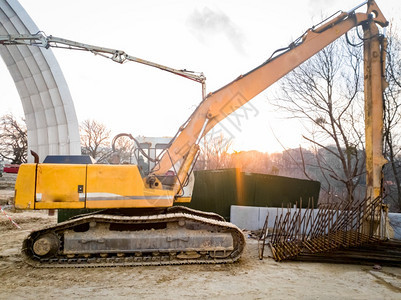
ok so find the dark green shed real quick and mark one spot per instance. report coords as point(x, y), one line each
point(217, 190)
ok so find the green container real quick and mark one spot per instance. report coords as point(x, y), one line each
point(275, 191)
point(216, 190)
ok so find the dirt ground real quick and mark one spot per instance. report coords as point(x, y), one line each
point(251, 278)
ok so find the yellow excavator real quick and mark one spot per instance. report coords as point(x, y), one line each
point(137, 223)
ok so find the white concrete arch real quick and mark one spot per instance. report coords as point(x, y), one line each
point(46, 100)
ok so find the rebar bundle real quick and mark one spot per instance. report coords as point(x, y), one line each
point(329, 227)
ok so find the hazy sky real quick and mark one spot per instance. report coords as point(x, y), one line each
point(222, 39)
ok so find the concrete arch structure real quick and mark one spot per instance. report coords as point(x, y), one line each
point(46, 100)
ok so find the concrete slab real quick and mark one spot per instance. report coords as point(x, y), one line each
point(395, 222)
point(245, 217)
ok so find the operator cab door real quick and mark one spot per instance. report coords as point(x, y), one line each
point(60, 186)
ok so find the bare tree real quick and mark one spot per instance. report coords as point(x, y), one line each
point(214, 153)
point(95, 140)
point(325, 93)
point(14, 141)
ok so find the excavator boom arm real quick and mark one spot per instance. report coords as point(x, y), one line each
point(219, 104)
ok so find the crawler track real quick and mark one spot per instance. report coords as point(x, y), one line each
point(178, 229)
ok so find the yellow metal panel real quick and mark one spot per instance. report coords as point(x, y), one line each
point(59, 205)
point(111, 186)
point(118, 179)
point(58, 183)
point(25, 187)
point(133, 203)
